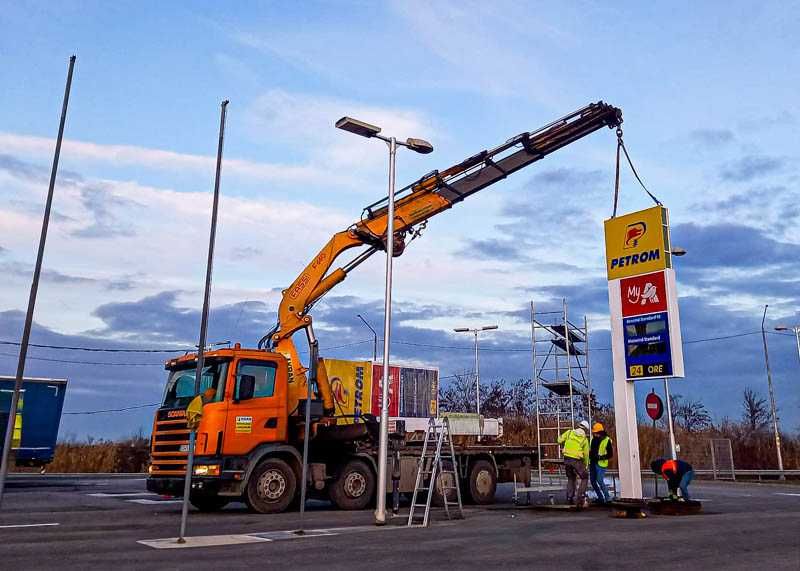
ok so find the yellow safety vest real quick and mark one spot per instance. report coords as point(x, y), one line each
point(575, 446)
point(602, 450)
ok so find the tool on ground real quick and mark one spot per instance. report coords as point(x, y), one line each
point(438, 459)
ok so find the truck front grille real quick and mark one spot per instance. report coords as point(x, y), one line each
point(170, 444)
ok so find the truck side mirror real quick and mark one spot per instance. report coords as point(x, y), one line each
point(245, 387)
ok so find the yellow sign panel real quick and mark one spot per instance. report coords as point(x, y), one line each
point(637, 243)
point(244, 424)
point(351, 384)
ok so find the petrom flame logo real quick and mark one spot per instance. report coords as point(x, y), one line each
point(633, 233)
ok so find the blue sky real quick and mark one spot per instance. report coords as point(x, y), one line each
point(709, 98)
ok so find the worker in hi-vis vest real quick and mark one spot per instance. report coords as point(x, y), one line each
point(601, 449)
point(575, 450)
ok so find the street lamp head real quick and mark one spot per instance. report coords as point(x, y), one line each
point(781, 328)
point(421, 146)
point(488, 327)
point(461, 329)
point(357, 127)
point(677, 251)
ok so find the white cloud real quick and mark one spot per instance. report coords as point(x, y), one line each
point(128, 155)
point(306, 122)
point(162, 248)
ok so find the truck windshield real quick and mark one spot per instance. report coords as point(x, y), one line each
point(180, 385)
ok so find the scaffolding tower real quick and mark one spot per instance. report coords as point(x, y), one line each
point(562, 386)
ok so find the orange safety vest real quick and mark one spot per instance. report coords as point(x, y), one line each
point(669, 465)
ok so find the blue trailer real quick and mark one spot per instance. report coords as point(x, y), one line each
point(38, 417)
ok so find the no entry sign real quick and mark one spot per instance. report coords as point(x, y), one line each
point(654, 406)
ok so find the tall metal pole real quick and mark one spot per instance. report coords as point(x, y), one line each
point(478, 387)
point(311, 380)
point(26, 331)
point(797, 338)
point(383, 445)
point(772, 398)
point(187, 482)
point(672, 448)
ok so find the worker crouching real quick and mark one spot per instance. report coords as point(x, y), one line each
point(601, 450)
point(678, 475)
point(575, 451)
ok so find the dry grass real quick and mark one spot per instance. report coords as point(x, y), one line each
point(127, 456)
point(751, 450)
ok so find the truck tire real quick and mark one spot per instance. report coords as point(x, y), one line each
point(208, 503)
point(482, 482)
point(271, 487)
point(354, 487)
point(444, 480)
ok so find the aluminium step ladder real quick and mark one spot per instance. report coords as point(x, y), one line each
point(438, 459)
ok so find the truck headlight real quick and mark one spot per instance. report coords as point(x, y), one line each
point(207, 470)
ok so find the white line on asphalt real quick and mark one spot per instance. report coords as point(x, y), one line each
point(151, 502)
point(786, 494)
point(267, 536)
point(202, 541)
point(121, 495)
point(29, 525)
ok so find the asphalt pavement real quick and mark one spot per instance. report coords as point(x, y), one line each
point(98, 522)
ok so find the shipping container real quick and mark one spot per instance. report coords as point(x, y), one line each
point(38, 417)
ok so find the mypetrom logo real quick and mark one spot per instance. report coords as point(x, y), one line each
point(633, 259)
point(633, 233)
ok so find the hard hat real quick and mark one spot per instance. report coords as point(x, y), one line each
point(585, 425)
point(598, 427)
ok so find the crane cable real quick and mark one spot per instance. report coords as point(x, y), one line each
point(621, 145)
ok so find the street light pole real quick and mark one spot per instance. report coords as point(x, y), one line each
point(796, 330)
point(477, 370)
point(374, 338)
point(26, 331)
point(478, 387)
point(383, 442)
point(423, 147)
point(772, 398)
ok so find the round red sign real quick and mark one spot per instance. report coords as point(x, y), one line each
point(654, 406)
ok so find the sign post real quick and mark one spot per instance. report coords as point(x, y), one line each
point(645, 324)
point(655, 410)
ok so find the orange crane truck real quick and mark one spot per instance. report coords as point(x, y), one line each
point(250, 437)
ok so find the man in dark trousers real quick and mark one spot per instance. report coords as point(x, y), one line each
point(601, 449)
point(677, 473)
point(575, 450)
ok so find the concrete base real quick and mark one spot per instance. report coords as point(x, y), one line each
point(673, 507)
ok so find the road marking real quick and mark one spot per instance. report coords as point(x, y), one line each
point(151, 502)
point(124, 495)
point(280, 535)
point(786, 494)
point(264, 537)
point(29, 525)
point(202, 541)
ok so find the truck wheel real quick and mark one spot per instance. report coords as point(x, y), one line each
point(482, 482)
point(208, 503)
point(354, 487)
point(441, 481)
point(271, 487)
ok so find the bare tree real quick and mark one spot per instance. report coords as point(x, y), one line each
point(459, 396)
point(523, 401)
point(691, 415)
point(755, 413)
